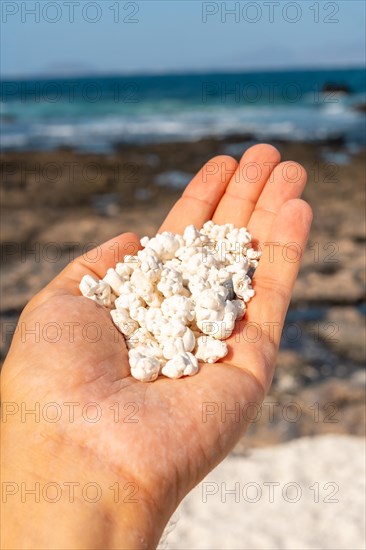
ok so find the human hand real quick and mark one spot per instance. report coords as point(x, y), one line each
point(154, 440)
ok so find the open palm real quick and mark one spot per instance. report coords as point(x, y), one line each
point(164, 436)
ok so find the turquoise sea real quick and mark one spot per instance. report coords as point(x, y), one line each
point(96, 113)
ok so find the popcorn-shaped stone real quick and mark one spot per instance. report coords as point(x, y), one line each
point(194, 238)
point(195, 262)
point(240, 236)
point(173, 346)
point(241, 266)
point(171, 282)
point(144, 368)
point(150, 264)
point(170, 328)
point(124, 322)
point(174, 262)
point(215, 315)
point(98, 291)
point(152, 348)
point(222, 275)
point(114, 280)
point(253, 254)
point(207, 227)
point(144, 241)
point(145, 288)
point(88, 286)
point(223, 251)
point(183, 364)
point(138, 314)
point(128, 298)
point(138, 337)
point(153, 319)
point(242, 287)
point(176, 300)
point(184, 253)
point(166, 244)
point(209, 300)
point(197, 285)
point(189, 339)
point(131, 260)
point(219, 329)
point(178, 307)
point(210, 350)
point(124, 270)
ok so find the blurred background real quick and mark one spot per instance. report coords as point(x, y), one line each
point(107, 110)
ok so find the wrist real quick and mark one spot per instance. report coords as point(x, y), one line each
point(63, 499)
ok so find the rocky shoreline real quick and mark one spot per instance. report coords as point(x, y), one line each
point(56, 204)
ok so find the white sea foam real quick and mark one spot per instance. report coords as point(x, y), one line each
point(262, 122)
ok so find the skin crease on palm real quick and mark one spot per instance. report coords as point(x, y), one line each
point(172, 445)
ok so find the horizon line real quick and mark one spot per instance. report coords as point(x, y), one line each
point(181, 72)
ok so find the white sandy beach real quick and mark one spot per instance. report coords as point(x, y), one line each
point(318, 501)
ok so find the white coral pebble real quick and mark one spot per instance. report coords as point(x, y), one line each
point(242, 286)
point(178, 307)
point(192, 237)
point(172, 345)
point(114, 280)
point(165, 245)
point(215, 315)
point(253, 254)
point(178, 298)
point(171, 282)
point(183, 364)
point(99, 291)
point(209, 349)
point(123, 321)
point(143, 367)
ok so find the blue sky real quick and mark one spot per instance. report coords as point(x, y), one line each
point(174, 35)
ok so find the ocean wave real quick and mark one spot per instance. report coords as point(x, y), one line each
point(95, 132)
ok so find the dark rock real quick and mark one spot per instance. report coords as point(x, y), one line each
point(334, 87)
point(361, 107)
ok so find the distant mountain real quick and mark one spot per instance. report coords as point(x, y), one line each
point(56, 70)
point(68, 69)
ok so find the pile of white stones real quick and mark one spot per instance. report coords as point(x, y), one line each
point(179, 297)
